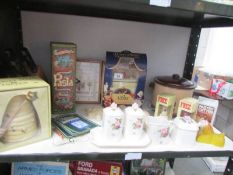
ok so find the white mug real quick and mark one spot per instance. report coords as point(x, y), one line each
point(159, 129)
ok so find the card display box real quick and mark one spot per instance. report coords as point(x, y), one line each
point(25, 113)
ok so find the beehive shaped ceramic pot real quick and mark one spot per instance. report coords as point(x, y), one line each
point(20, 121)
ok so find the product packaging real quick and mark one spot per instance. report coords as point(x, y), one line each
point(148, 167)
point(187, 107)
point(226, 91)
point(96, 168)
point(203, 78)
point(216, 85)
point(165, 105)
point(206, 109)
point(25, 114)
point(36, 168)
point(124, 78)
point(63, 77)
point(215, 164)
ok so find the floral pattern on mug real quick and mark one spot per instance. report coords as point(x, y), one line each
point(164, 132)
point(138, 123)
point(116, 124)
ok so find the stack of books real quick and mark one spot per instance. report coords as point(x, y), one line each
point(72, 125)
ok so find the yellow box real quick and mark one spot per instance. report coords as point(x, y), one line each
point(25, 113)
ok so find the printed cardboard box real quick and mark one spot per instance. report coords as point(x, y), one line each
point(187, 107)
point(148, 166)
point(124, 78)
point(165, 105)
point(203, 78)
point(25, 114)
point(36, 168)
point(96, 168)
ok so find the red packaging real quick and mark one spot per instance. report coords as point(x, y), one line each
point(96, 168)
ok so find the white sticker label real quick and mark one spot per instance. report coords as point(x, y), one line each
point(162, 3)
point(118, 76)
point(133, 156)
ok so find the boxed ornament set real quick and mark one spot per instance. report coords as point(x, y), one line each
point(25, 113)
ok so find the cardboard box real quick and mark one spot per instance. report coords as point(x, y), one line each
point(216, 165)
point(226, 91)
point(187, 107)
point(96, 168)
point(124, 78)
point(165, 105)
point(25, 114)
point(203, 78)
point(36, 168)
point(148, 166)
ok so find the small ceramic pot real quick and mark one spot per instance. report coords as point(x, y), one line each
point(113, 118)
point(134, 121)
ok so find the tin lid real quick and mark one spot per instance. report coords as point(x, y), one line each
point(186, 123)
point(134, 110)
point(175, 81)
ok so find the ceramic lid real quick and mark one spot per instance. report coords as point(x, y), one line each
point(134, 110)
point(175, 81)
point(113, 110)
point(186, 123)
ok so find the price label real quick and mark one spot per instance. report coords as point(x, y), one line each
point(133, 156)
point(118, 76)
point(162, 3)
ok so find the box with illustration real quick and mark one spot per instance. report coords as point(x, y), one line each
point(25, 114)
point(63, 57)
point(124, 78)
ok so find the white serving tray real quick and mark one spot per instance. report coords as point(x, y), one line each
point(99, 140)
